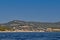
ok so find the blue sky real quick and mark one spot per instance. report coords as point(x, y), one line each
point(30, 10)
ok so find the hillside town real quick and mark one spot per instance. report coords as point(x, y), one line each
point(22, 26)
point(29, 29)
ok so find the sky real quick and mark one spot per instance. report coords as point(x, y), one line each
point(30, 10)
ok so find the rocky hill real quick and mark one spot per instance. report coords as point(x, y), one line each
point(18, 24)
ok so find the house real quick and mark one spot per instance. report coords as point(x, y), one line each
point(53, 29)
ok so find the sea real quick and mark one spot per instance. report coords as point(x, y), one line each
point(29, 35)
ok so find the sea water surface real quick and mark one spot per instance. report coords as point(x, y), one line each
point(30, 36)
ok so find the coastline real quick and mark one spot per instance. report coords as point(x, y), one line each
point(20, 31)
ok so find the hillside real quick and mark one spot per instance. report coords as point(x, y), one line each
point(18, 24)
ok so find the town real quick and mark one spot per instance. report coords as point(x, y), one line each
point(22, 26)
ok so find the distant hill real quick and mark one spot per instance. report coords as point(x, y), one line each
point(34, 25)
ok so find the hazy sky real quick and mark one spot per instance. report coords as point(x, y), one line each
point(31, 10)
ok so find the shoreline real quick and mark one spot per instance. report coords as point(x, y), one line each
point(18, 31)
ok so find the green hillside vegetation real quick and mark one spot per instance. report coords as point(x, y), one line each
point(4, 28)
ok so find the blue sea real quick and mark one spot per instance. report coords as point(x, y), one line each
point(30, 36)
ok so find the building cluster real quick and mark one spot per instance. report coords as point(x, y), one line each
point(33, 29)
point(29, 28)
